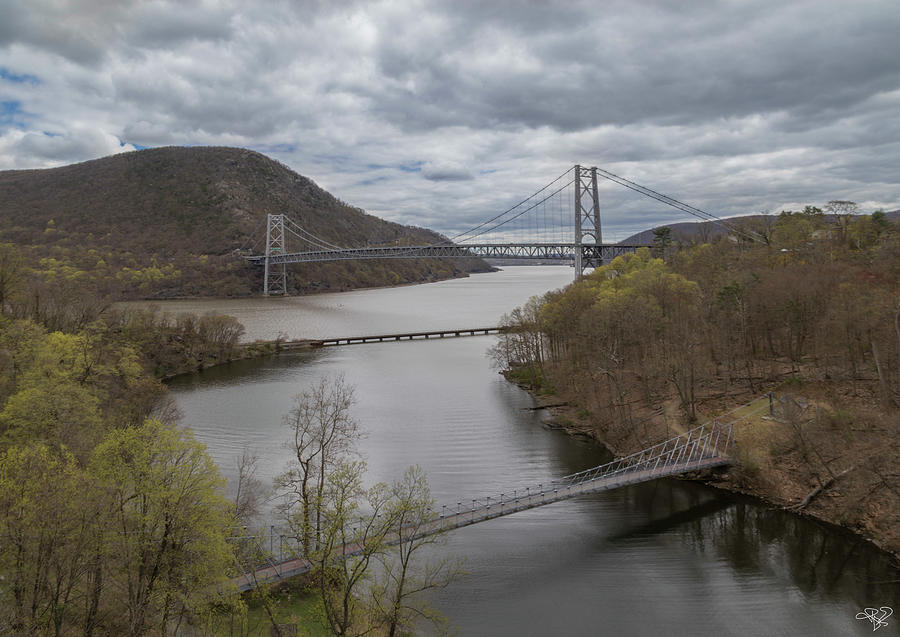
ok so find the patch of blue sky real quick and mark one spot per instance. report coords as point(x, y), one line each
point(11, 113)
point(373, 180)
point(275, 148)
point(18, 78)
point(338, 161)
point(413, 167)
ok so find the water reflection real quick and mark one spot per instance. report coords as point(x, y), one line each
point(664, 558)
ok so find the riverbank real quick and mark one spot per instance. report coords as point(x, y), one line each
point(242, 352)
point(777, 456)
point(157, 298)
point(260, 349)
point(706, 559)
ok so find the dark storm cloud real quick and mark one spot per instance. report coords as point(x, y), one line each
point(446, 172)
point(670, 68)
point(80, 32)
point(161, 24)
point(733, 106)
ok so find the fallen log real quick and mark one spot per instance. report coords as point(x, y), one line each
point(539, 407)
point(815, 492)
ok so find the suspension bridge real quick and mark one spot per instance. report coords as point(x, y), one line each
point(703, 447)
point(561, 221)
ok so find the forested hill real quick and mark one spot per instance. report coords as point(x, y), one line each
point(167, 222)
point(705, 231)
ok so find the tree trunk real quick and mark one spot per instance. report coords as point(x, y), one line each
point(90, 620)
point(885, 390)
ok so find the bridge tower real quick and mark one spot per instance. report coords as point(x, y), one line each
point(275, 277)
point(587, 220)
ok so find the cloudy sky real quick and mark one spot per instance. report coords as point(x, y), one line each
point(444, 113)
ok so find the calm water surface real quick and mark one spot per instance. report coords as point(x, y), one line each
point(665, 558)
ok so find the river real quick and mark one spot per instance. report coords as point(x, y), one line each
point(664, 558)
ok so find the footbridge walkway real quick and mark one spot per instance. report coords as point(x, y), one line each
point(703, 447)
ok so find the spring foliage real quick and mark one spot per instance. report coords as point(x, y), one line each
point(111, 521)
point(818, 300)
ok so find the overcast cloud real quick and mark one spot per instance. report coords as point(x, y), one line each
point(442, 114)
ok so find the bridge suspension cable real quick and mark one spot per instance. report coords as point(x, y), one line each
point(508, 210)
point(313, 239)
point(537, 227)
point(675, 203)
point(704, 447)
point(533, 227)
point(519, 214)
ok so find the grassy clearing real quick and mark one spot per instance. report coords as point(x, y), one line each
point(290, 607)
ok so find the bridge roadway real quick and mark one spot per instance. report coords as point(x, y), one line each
point(591, 254)
point(701, 448)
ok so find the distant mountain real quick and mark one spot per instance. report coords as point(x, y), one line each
point(169, 222)
point(705, 230)
point(683, 231)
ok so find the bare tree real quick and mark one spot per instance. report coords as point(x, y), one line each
point(397, 598)
point(843, 211)
point(248, 491)
point(323, 434)
point(10, 273)
point(764, 226)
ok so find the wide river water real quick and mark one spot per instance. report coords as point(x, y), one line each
point(664, 558)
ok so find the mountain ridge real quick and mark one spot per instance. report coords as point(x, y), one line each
point(704, 230)
point(191, 210)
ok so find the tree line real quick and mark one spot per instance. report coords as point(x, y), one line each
point(115, 521)
point(814, 299)
point(645, 345)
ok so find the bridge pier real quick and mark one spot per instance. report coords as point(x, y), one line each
point(587, 221)
point(275, 275)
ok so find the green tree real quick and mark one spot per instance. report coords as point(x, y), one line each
point(48, 522)
point(167, 521)
point(52, 399)
point(11, 272)
point(68, 389)
point(794, 229)
point(357, 521)
point(662, 239)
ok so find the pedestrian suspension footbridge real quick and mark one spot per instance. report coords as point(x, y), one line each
point(703, 447)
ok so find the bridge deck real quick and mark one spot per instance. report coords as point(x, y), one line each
point(593, 254)
point(554, 492)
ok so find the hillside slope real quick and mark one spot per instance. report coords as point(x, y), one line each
point(169, 222)
point(704, 231)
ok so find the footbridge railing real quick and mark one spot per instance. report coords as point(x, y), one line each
point(702, 447)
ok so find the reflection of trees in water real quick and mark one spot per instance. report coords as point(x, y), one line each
point(817, 560)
